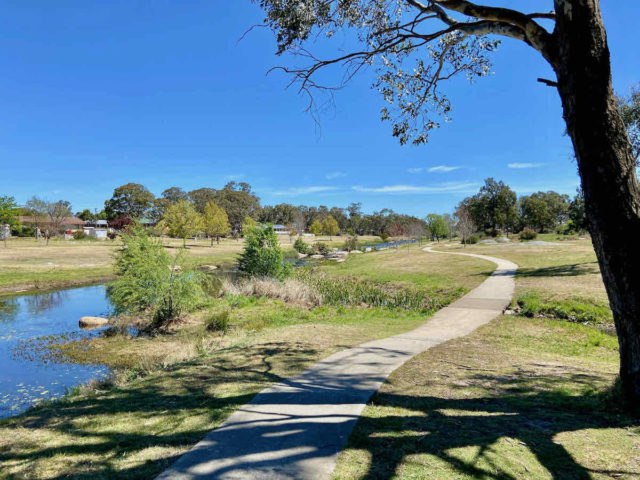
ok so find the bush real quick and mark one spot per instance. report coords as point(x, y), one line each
point(384, 236)
point(528, 234)
point(301, 247)
point(472, 240)
point(22, 231)
point(218, 321)
point(79, 235)
point(150, 280)
point(321, 248)
point(112, 235)
point(262, 256)
point(351, 243)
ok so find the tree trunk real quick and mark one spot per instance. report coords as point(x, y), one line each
point(607, 170)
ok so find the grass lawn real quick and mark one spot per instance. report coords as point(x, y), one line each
point(172, 389)
point(519, 398)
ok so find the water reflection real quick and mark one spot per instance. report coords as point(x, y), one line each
point(27, 378)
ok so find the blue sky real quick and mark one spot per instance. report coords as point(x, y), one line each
point(97, 94)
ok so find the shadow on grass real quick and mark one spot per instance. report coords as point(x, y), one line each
point(571, 270)
point(532, 417)
point(93, 433)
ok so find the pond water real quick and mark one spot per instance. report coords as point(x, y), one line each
point(27, 378)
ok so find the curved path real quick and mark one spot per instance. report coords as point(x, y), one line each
point(296, 428)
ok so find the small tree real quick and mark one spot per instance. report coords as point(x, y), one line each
point(182, 220)
point(465, 225)
point(57, 213)
point(316, 227)
point(330, 227)
point(247, 224)
point(396, 230)
point(437, 226)
point(301, 247)
point(215, 221)
point(37, 208)
point(8, 214)
point(149, 279)
point(262, 256)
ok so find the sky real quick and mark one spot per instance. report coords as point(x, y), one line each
point(165, 93)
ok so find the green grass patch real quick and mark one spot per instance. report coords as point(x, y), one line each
point(576, 309)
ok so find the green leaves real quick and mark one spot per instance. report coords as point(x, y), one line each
point(262, 256)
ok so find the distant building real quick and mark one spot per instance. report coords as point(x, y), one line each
point(69, 223)
point(281, 230)
point(96, 224)
point(147, 222)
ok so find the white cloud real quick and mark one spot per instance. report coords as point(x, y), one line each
point(332, 175)
point(415, 170)
point(304, 190)
point(404, 189)
point(526, 165)
point(443, 168)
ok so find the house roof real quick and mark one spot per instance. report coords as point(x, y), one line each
point(45, 220)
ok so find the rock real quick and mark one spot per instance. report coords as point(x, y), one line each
point(368, 249)
point(92, 322)
point(209, 267)
point(356, 251)
point(317, 256)
point(302, 255)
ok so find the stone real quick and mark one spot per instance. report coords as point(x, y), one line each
point(92, 322)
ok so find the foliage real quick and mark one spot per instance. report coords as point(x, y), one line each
point(57, 212)
point(316, 228)
point(150, 279)
point(494, 207)
point(121, 223)
point(321, 248)
point(629, 108)
point(236, 199)
point(471, 240)
point(262, 256)
point(437, 226)
point(218, 321)
point(396, 230)
point(85, 215)
point(131, 200)
point(544, 210)
point(181, 220)
point(384, 236)
point(330, 226)
point(37, 209)
point(577, 215)
point(79, 235)
point(215, 221)
point(8, 211)
point(528, 234)
point(22, 231)
point(301, 247)
point(351, 243)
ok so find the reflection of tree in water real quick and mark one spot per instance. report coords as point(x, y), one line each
point(46, 301)
point(8, 309)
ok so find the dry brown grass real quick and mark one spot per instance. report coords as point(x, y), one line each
point(290, 290)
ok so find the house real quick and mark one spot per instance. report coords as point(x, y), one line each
point(96, 224)
point(281, 230)
point(69, 223)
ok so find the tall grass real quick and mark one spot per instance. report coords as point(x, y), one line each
point(354, 291)
point(290, 290)
point(576, 309)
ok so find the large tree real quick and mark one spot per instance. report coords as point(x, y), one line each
point(544, 209)
point(181, 220)
point(416, 44)
point(130, 200)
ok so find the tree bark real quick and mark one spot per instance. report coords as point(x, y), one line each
point(607, 170)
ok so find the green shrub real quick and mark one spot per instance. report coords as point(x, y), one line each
point(301, 247)
point(150, 280)
point(218, 321)
point(79, 235)
point(472, 240)
point(528, 234)
point(321, 248)
point(262, 256)
point(351, 243)
point(384, 236)
point(22, 231)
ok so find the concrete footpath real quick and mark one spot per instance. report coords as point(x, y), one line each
point(296, 428)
